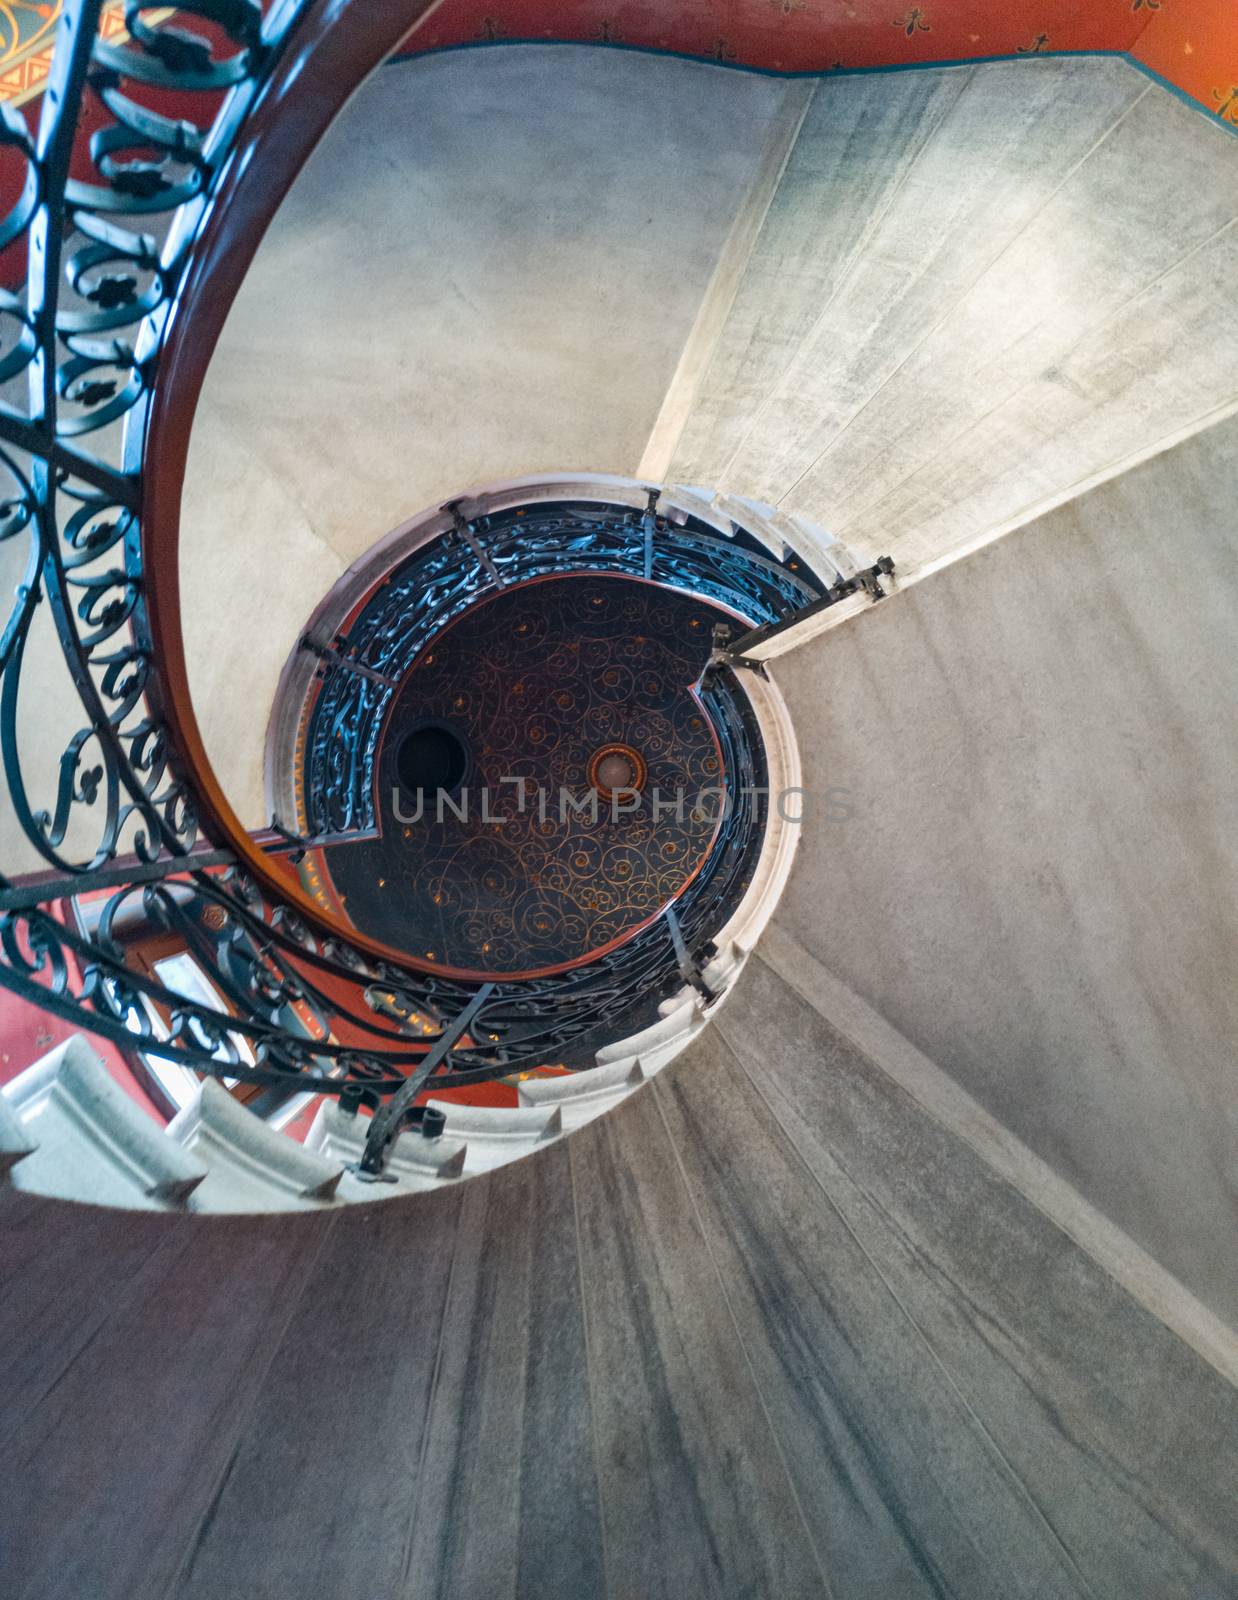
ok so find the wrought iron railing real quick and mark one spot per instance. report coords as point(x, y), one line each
point(309, 1010)
point(447, 575)
point(158, 160)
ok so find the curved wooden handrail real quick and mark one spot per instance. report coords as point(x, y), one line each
point(333, 49)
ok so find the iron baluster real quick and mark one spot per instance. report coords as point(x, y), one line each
point(386, 1123)
point(333, 656)
point(689, 969)
point(467, 534)
point(649, 526)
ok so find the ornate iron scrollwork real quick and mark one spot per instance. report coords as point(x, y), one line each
point(107, 223)
point(446, 576)
point(99, 288)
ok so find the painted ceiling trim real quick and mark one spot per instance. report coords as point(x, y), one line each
point(27, 37)
point(1190, 46)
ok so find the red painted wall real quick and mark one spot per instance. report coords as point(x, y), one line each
point(799, 35)
point(1194, 45)
point(28, 1032)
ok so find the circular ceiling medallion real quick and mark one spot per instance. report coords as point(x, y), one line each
point(616, 767)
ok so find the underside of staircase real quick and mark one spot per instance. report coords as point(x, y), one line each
point(769, 1328)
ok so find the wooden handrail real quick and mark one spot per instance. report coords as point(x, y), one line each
point(333, 49)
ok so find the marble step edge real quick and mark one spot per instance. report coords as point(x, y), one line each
point(620, 1070)
point(525, 1126)
point(653, 1046)
point(216, 1124)
point(222, 1133)
point(778, 530)
point(72, 1082)
point(628, 1063)
point(15, 1144)
point(614, 1081)
point(335, 1134)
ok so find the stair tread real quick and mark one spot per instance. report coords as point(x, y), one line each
point(250, 1165)
point(92, 1142)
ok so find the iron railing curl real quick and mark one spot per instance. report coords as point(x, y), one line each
point(142, 145)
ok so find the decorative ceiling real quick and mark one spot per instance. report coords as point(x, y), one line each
point(27, 32)
point(549, 684)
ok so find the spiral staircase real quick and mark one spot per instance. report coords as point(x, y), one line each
point(857, 1218)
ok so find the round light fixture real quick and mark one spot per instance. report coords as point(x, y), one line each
point(616, 767)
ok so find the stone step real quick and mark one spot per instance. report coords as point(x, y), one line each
point(778, 529)
point(682, 1016)
point(89, 1140)
point(250, 1166)
point(15, 1145)
point(582, 1096)
point(494, 1135)
point(722, 968)
point(415, 1163)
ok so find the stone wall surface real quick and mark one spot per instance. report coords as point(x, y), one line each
point(1039, 884)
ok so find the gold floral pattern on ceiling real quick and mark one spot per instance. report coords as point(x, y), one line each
point(27, 35)
point(535, 683)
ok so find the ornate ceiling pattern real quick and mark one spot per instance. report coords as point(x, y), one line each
point(27, 33)
point(536, 683)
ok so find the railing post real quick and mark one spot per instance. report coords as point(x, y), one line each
point(753, 649)
point(468, 535)
point(385, 1124)
point(688, 969)
point(335, 657)
point(649, 526)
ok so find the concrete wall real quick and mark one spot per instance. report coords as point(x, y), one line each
point(488, 269)
point(1039, 886)
point(969, 291)
point(974, 288)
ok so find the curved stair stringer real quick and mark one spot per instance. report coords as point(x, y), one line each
point(78, 1135)
point(780, 531)
point(68, 1131)
point(414, 1164)
point(623, 1067)
point(15, 1143)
